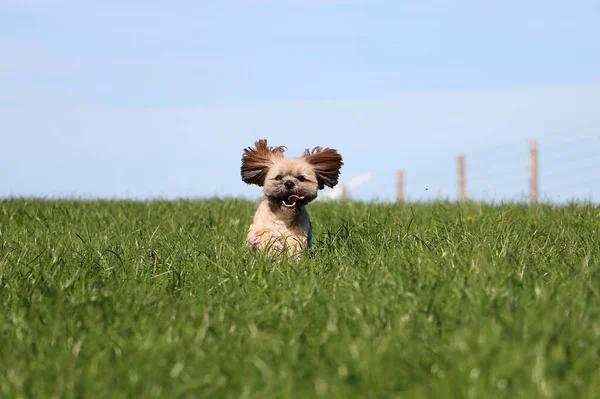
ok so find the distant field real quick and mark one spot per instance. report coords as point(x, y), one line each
point(159, 299)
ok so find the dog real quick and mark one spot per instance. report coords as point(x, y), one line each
point(281, 223)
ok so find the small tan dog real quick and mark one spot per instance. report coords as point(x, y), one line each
point(281, 222)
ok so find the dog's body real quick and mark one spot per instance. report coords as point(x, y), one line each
point(281, 222)
point(279, 231)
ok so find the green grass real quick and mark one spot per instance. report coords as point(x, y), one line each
point(160, 299)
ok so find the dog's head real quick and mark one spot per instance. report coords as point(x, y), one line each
point(290, 182)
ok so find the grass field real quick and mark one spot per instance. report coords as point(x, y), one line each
point(159, 299)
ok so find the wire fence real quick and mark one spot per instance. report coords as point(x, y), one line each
point(560, 171)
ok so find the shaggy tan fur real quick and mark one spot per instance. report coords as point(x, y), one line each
point(281, 222)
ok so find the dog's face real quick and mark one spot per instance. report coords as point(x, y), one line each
point(290, 182)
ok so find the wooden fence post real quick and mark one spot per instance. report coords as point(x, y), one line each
point(533, 172)
point(345, 195)
point(460, 169)
point(400, 186)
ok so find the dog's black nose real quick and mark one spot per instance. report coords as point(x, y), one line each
point(289, 184)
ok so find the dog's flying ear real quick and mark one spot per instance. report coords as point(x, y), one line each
point(327, 163)
point(257, 161)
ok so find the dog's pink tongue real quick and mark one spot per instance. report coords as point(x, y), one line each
point(294, 198)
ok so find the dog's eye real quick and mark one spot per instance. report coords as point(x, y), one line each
point(301, 178)
point(278, 177)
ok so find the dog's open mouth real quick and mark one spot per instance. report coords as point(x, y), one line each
point(290, 202)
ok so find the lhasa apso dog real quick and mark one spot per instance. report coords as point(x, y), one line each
point(281, 223)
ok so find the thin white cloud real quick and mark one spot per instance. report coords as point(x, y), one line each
point(418, 132)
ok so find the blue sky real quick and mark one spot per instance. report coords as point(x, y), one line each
point(139, 99)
